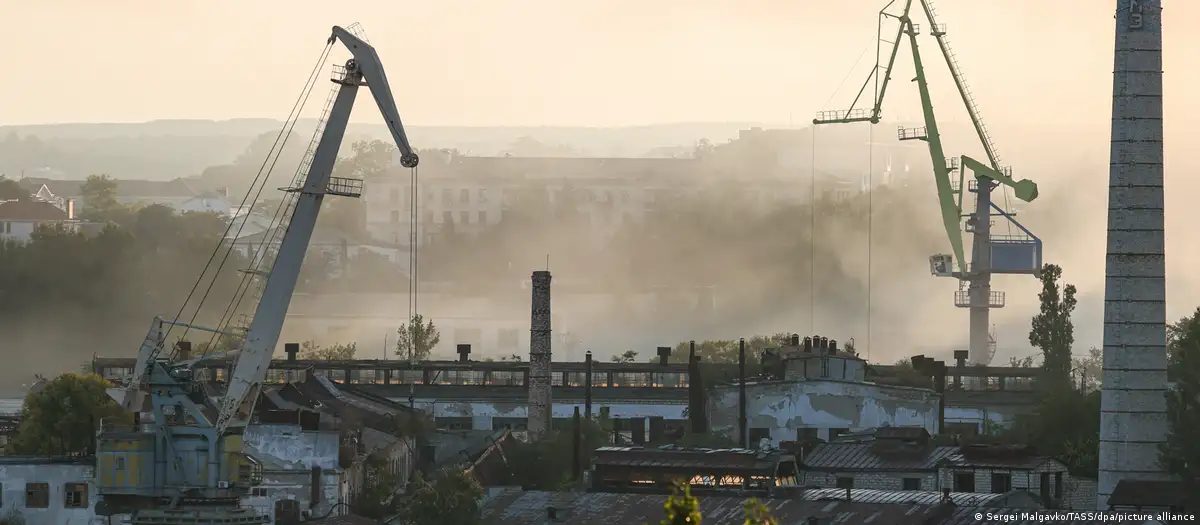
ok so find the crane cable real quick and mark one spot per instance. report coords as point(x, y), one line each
point(414, 234)
point(260, 175)
point(258, 255)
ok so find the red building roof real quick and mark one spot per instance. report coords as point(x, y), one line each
point(30, 211)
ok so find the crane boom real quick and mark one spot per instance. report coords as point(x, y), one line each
point(181, 453)
point(251, 368)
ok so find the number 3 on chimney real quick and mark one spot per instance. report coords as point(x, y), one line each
point(1135, 14)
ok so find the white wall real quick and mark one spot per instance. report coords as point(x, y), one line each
point(16, 472)
point(785, 406)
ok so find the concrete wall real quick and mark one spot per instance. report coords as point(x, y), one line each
point(872, 480)
point(782, 407)
point(14, 477)
point(288, 454)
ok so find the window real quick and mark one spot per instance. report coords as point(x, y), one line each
point(464, 196)
point(911, 484)
point(482, 195)
point(964, 482)
point(121, 463)
point(483, 217)
point(845, 483)
point(508, 337)
point(408, 199)
point(37, 495)
point(447, 217)
point(1001, 482)
point(464, 217)
point(447, 197)
point(76, 495)
point(395, 216)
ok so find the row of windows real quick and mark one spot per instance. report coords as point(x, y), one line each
point(37, 495)
point(464, 217)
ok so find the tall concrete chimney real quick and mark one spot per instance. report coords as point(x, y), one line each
point(539, 357)
point(1133, 418)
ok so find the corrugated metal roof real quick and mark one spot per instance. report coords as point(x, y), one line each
point(734, 459)
point(1146, 493)
point(906, 497)
point(861, 456)
point(530, 508)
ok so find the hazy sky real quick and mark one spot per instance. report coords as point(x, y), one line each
point(551, 62)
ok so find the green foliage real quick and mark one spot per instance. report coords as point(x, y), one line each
point(1052, 330)
point(377, 498)
point(65, 295)
point(757, 514)
point(627, 357)
point(100, 198)
point(62, 418)
point(725, 351)
point(417, 339)
point(451, 498)
point(681, 508)
point(903, 374)
point(547, 464)
point(11, 191)
point(336, 352)
point(1064, 424)
point(1180, 455)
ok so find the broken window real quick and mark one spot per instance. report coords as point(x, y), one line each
point(911, 483)
point(845, 483)
point(964, 482)
point(76, 495)
point(37, 495)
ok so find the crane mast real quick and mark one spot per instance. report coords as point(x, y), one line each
point(1019, 253)
point(184, 462)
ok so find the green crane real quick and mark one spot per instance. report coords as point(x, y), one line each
point(1013, 254)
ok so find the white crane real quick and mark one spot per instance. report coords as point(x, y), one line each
point(184, 465)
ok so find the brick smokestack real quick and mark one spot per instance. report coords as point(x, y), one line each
point(539, 357)
point(1133, 419)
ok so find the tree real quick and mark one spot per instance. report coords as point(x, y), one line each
point(62, 418)
point(1180, 455)
point(628, 357)
point(377, 498)
point(1021, 362)
point(10, 190)
point(99, 197)
point(335, 352)
point(1052, 330)
point(756, 514)
point(682, 508)
point(1091, 368)
point(417, 338)
point(452, 498)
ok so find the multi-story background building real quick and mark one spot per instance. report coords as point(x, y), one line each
point(759, 168)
